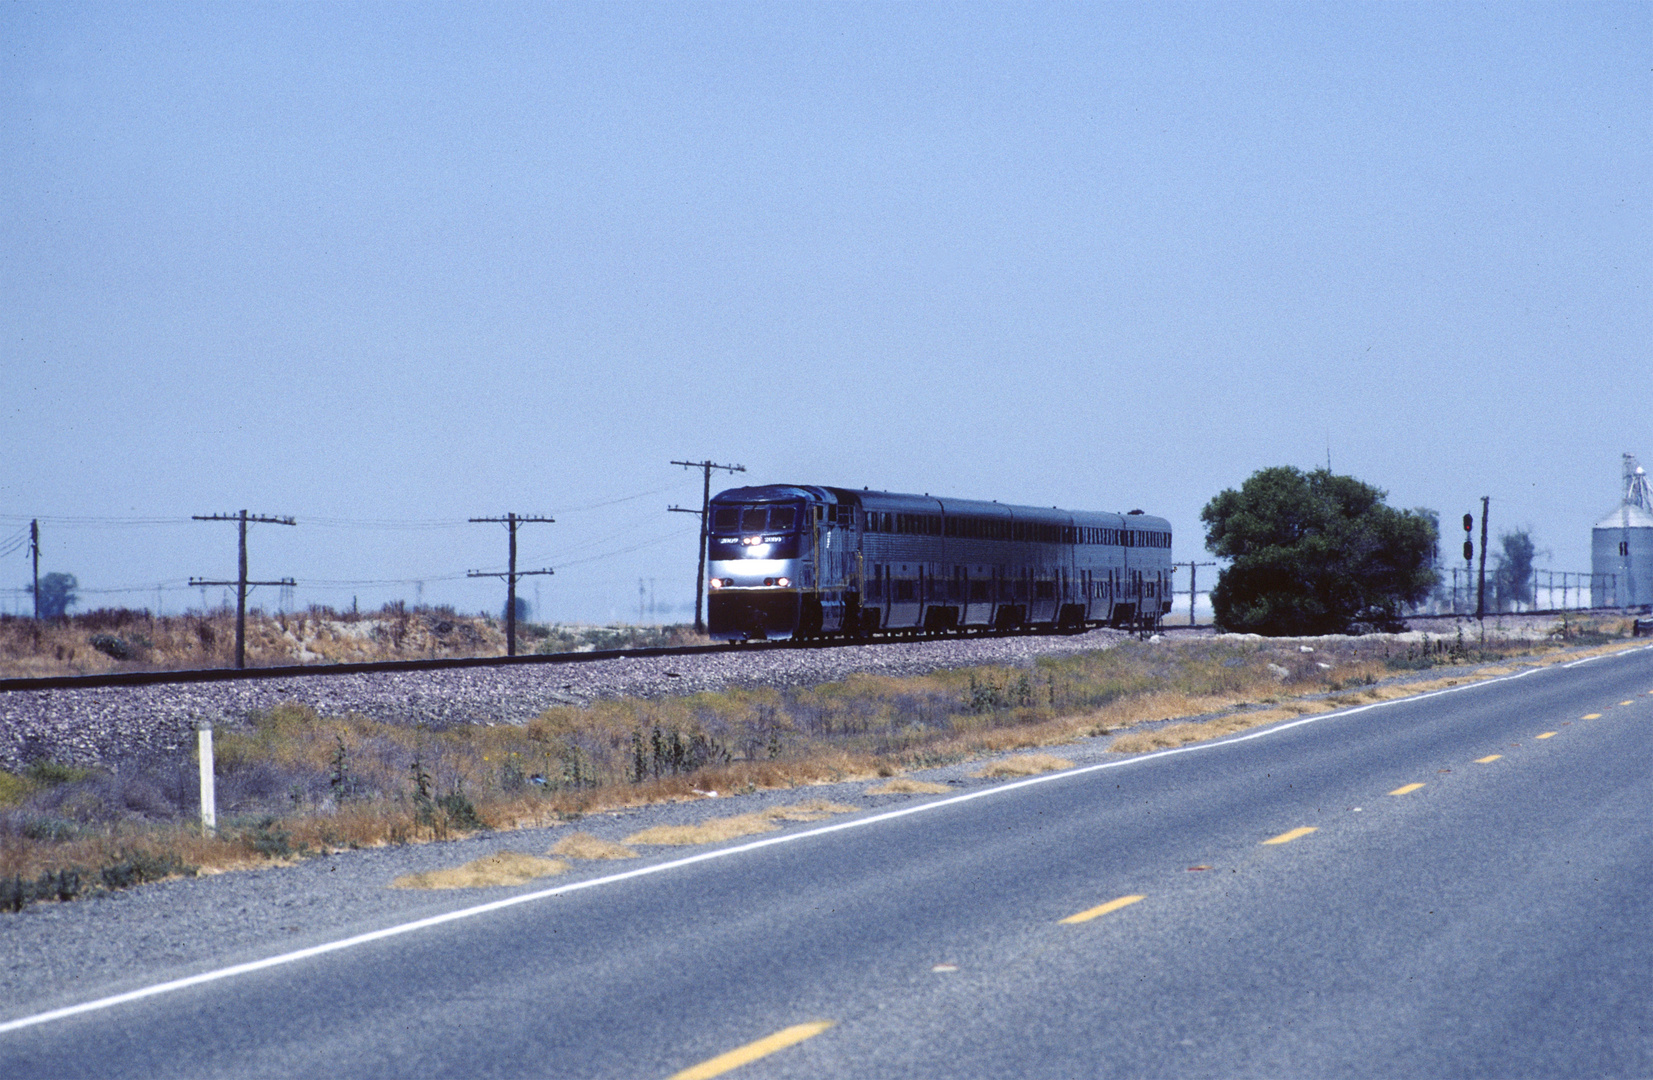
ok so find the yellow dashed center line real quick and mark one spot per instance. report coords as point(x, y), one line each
point(1546, 735)
point(1288, 837)
point(1591, 716)
point(1627, 703)
point(734, 1059)
point(1488, 758)
point(1406, 789)
point(1103, 909)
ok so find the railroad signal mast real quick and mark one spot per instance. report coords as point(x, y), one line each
point(511, 521)
point(241, 581)
point(705, 510)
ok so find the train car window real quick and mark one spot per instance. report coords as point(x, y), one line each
point(725, 518)
point(753, 519)
point(906, 589)
point(1044, 590)
point(783, 518)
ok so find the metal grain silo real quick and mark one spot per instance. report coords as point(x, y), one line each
point(1621, 546)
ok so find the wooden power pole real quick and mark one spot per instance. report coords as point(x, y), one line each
point(706, 468)
point(1481, 584)
point(34, 552)
point(511, 521)
point(1193, 579)
point(241, 581)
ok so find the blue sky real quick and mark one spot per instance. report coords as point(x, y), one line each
point(386, 267)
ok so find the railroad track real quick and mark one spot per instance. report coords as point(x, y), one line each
point(290, 671)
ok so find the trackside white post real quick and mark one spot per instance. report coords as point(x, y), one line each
point(209, 796)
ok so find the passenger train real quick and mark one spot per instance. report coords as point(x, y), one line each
point(805, 562)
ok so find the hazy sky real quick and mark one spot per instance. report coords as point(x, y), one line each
point(386, 267)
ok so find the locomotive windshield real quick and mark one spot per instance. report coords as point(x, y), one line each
point(755, 520)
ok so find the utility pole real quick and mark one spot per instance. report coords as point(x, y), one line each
point(241, 581)
point(1469, 563)
point(1193, 579)
point(1481, 586)
point(511, 521)
point(705, 510)
point(34, 553)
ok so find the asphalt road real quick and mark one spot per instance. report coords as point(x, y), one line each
point(1496, 921)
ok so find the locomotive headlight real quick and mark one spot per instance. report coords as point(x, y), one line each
point(783, 582)
point(715, 583)
point(751, 541)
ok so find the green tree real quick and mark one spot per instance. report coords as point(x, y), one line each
point(57, 595)
point(1315, 553)
point(1512, 578)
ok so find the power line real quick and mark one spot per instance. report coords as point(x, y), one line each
point(625, 551)
point(114, 522)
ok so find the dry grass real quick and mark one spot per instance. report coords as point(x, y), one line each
point(813, 810)
point(118, 639)
point(585, 846)
point(500, 868)
point(1026, 765)
point(1174, 735)
point(282, 795)
point(707, 832)
point(903, 785)
point(732, 828)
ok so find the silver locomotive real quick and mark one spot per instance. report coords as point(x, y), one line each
point(805, 562)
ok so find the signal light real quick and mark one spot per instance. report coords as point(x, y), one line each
point(1469, 551)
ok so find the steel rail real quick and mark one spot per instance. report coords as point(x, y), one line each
point(377, 667)
point(298, 671)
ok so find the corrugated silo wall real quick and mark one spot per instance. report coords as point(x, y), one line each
point(1609, 558)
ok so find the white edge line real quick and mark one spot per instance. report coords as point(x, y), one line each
point(1607, 656)
point(720, 853)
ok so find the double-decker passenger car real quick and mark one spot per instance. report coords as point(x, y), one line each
point(818, 561)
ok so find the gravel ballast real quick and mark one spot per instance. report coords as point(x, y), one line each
point(100, 725)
